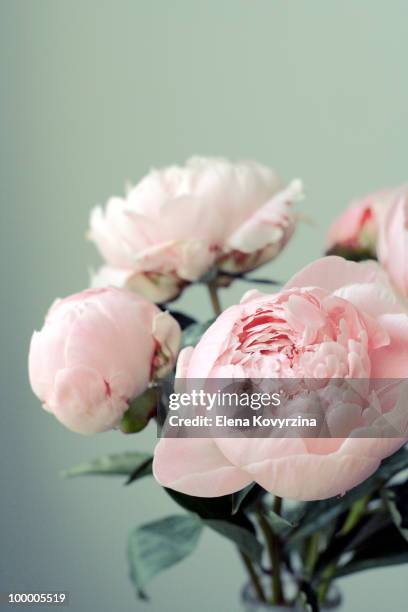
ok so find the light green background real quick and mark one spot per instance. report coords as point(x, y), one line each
point(95, 92)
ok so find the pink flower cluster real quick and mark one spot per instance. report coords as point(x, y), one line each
point(104, 347)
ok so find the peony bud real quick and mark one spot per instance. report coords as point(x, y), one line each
point(97, 351)
point(354, 234)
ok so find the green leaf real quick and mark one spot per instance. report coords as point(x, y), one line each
point(383, 549)
point(366, 564)
point(140, 411)
point(254, 494)
point(391, 466)
point(192, 334)
point(121, 464)
point(205, 507)
point(368, 528)
point(396, 507)
point(144, 469)
point(225, 278)
point(371, 543)
point(216, 512)
point(356, 254)
point(280, 526)
point(239, 496)
point(212, 508)
point(158, 545)
point(244, 539)
point(182, 319)
point(321, 513)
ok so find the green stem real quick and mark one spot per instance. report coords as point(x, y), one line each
point(277, 505)
point(312, 554)
point(253, 576)
point(215, 302)
point(355, 513)
point(326, 578)
point(273, 547)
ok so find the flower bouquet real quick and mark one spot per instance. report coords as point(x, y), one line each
point(307, 477)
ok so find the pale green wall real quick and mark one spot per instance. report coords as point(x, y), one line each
point(94, 92)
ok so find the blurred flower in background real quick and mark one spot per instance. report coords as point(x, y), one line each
point(375, 227)
point(354, 234)
point(393, 241)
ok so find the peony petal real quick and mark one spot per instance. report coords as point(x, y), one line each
point(333, 272)
point(46, 354)
point(392, 361)
point(312, 477)
point(393, 242)
point(251, 295)
point(196, 467)
point(166, 332)
point(372, 298)
point(272, 223)
point(108, 276)
point(81, 401)
point(183, 362)
point(211, 344)
point(102, 337)
point(245, 451)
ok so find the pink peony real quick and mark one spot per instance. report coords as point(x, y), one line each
point(356, 229)
point(393, 242)
point(98, 350)
point(334, 319)
point(179, 222)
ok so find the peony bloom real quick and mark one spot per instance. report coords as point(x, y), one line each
point(334, 319)
point(393, 242)
point(180, 222)
point(354, 233)
point(98, 350)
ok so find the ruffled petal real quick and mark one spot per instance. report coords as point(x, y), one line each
point(333, 272)
point(196, 467)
